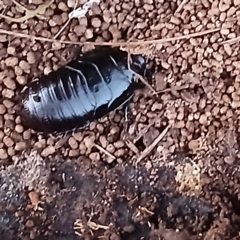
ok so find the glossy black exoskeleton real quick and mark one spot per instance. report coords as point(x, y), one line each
point(86, 89)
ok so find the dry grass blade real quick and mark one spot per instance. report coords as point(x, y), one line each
point(147, 127)
point(231, 41)
point(132, 146)
point(29, 13)
point(104, 151)
point(171, 89)
point(116, 44)
point(154, 143)
point(181, 5)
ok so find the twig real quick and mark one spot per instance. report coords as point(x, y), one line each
point(29, 13)
point(67, 22)
point(171, 89)
point(180, 7)
point(154, 143)
point(139, 77)
point(116, 44)
point(104, 151)
point(231, 41)
point(131, 146)
point(147, 127)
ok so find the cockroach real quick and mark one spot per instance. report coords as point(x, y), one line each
point(85, 89)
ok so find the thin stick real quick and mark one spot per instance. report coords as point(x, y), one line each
point(231, 41)
point(147, 127)
point(67, 22)
point(154, 143)
point(104, 151)
point(116, 44)
point(171, 89)
point(180, 7)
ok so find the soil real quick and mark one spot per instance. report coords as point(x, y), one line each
point(172, 171)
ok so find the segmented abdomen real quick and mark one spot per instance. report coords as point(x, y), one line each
point(82, 91)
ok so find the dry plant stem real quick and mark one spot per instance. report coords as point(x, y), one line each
point(104, 151)
point(67, 22)
point(171, 89)
point(180, 7)
point(132, 146)
point(116, 44)
point(147, 127)
point(151, 147)
point(29, 13)
point(231, 41)
point(146, 83)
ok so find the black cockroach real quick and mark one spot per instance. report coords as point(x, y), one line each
point(86, 89)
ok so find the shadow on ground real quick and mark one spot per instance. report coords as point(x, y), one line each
point(79, 201)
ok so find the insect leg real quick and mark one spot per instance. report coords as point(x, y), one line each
point(127, 111)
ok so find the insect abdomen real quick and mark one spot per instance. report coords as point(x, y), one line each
point(82, 91)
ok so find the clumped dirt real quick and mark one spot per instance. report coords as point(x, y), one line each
point(172, 172)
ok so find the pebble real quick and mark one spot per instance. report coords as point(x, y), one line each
point(2, 109)
point(34, 197)
point(48, 151)
point(11, 61)
point(31, 57)
point(25, 66)
point(72, 143)
point(29, 223)
point(103, 141)
point(193, 145)
point(20, 146)
point(95, 156)
point(3, 154)
point(96, 22)
point(8, 141)
point(9, 83)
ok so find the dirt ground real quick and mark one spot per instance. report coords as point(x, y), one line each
point(172, 172)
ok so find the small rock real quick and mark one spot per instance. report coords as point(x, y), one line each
point(20, 146)
point(150, 136)
point(236, 3)
point(29, 223)
point(79, 30)
point(96, 22)
point(229, 159)
point(103, 141)
point(9, 83)
point(8, 141)
point(116, 34)
point(34, 198)
point(119, 144)
point(19, 128)
point(110, 148)
point(8, 93)
point(89, 141)
point(78, 136)
point(160, 82)
point(8, 104)
point(31, 58)
point(48, 151)
point(11, 50)
point(95, 156)
point(2, 109)
point(11, 151)
point(73, 153)
point(3, 154)
point(27, 134)
point(11, 61)
point(224, 31)
point(89, 33)
point(72, 143)
point(193, 144)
